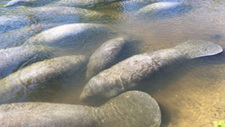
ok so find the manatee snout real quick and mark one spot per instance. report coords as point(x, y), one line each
point(84, 97)
point(88, 97)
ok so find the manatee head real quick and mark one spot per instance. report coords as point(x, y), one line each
point(97, 90)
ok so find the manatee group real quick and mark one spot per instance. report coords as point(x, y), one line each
point(128, 73)
point(134, 108)
point(41, 76)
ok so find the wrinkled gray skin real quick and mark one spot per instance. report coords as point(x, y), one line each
point(17, 37)
point(12, 59)
point(128, 73)
point(74, 3)
point(106, 55)
point(43, 75)
point(131, 109)
point(72, 36)
point(161, 10)
point(8, 23)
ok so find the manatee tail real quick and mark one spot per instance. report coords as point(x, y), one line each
point(133, 108)
point(198, 48)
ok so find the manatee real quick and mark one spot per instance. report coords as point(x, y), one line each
point(43, 76)
point(76, 3)
point(18, 36)
point(161, 10)
point(28, 2)
point(72, 36)
point(14, 58)
point(57, 14)
point(131, 109)
point(13, 22)
point(83, 3)
point(127, 74)
point(62, 14)
point(48, 14)
point(108, 54)
point(144, 1)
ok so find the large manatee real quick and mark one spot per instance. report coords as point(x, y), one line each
point(107, 55)
point(77, 3)
point(131, 109)
point(72, 36)
point(160, 10)
point(15, 58)
point(42, 76)
point(128, 73)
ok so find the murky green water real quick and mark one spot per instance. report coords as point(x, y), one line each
point(190, 94)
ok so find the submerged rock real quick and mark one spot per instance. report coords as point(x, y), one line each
point(161, 10)
point(107, 55)
point(41, 77)
point(78, 36)
point(131, 109)
point(127, 74)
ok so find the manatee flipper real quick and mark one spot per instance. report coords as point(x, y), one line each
point(131, 109)
point(198, 48)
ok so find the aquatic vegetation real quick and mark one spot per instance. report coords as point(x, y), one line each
point(219, 124)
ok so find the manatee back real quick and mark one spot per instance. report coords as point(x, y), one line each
point(108, 54)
